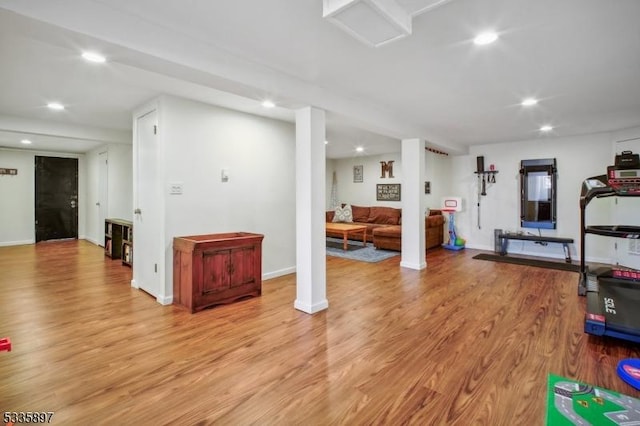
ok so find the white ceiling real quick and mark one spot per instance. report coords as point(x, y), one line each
point(581, 58)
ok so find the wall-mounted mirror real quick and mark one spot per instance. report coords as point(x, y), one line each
point(538, 193)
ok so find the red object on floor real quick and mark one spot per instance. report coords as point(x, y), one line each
point(5, 344)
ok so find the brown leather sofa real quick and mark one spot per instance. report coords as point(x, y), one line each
point(390, 237)
point(371, 217)
point(384, 226)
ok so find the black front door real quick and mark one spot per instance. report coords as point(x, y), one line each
point(56, 198)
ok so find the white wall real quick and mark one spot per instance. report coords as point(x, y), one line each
point(17, 194)
point(438, 172)
point(199, 141)
point(578, 158)
point(119, 184)
point(17, 214)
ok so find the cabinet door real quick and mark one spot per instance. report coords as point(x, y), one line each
point(242, 266)
point(215, 271)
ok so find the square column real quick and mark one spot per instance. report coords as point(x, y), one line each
point(311, 261)
point(413, 172)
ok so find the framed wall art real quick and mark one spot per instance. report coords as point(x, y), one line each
point(358, 174)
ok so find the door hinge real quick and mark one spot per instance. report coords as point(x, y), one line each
point(615, 246)
point(155, 129)
point(155, 267)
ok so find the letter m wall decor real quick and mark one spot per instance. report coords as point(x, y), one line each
point(387, 167)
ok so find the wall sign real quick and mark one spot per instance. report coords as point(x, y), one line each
point(10, 172)
point(388, 192)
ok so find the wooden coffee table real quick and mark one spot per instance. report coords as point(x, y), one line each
point(346, 230)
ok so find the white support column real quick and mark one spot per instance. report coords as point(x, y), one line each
point(413, 238)
point(311, 262)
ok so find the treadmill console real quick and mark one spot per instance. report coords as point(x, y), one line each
point(624, 176)
point(624, 181)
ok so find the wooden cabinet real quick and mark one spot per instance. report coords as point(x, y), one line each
point(118, 240)
point(216, 268)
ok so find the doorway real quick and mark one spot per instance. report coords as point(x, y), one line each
point(56, 198)
point(103, 194)
point(148, 242)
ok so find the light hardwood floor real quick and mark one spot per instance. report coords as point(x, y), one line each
point(463, 342)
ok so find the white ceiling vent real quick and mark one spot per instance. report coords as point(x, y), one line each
point(374, 22)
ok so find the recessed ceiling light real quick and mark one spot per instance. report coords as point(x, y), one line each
point(546, 128)
point(26, 141)
point(93, 57)
point(55, 105)
point(326, 142)
point(359, 149)
point(529, 102)
point(485, 38)
point(268, 104)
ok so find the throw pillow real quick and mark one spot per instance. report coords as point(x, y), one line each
point(343, 214)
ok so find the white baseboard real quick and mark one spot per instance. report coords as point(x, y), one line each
point(91, 240)
point(311, 309)
point(165, 300)
point(279, 273)
point(133, 284)
point(478, 247)
point(16, 243)
point(411, 265)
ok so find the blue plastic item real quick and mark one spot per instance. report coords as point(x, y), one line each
point(629, 371)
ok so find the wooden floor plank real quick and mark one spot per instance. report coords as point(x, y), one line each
point(463, 342)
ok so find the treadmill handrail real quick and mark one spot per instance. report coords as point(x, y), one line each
point(595, 187)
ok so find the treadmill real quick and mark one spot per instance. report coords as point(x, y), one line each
point(613, 310)
point(613, 293)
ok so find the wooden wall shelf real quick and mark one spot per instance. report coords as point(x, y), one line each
point(118, 240)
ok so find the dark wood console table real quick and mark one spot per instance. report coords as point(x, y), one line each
point(216, 268)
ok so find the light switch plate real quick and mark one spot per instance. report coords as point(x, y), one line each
point(175, 188)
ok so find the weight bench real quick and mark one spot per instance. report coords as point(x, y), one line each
point(505, 237)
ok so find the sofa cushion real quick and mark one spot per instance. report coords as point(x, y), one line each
point(388, 231)
point(384, 215)
point(360, 214)
point(343, 214)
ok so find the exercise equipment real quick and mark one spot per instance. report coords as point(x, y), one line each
point(484, 177)
point(613, 309)
point(613, 293)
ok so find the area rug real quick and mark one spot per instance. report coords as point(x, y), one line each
point(574, 403)
point(561, 266)
point(355, 251)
